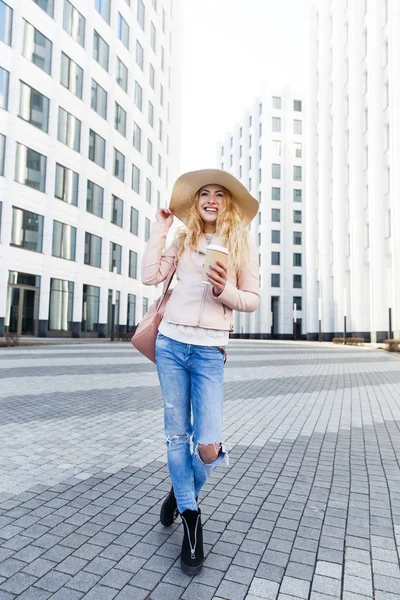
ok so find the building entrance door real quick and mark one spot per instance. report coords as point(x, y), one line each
point(23, 310)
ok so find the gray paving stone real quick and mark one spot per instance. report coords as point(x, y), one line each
point(18, 583)
point(53, 581)
point(229, 589)
point(262, 588)
point(295, 587)
point(100, 592)
point(146, 579)
point(166, 591)
point(34, 593)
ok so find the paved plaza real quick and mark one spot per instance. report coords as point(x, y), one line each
point(309, 507)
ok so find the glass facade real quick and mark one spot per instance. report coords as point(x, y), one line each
point(119, 165)
point(98, 99)
point(66, 185)
point(117, 211)
point(122, 75)
point(120, 119)
point(4, 85)
point(69, 130)
point(92, 250)
point(97, 148)
point(64, 240)
point(61, 305)
point(37, 48)
point(71, 75)
point(115, 257)
point(27, 230)
point(103, 7)
point(74, 23)
point(94, 199)
point(101, 50)
point(131, 316)
point(137, 137)
point(134, 226)
point(34, 107)
point(30, 168)
point(2, 153)
point(133, 260)
point(135, 179)
point(6, 16)
point(90, 308)
point(46, 5)
point(123, 31)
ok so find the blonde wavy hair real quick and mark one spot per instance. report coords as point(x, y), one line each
point(230, 230)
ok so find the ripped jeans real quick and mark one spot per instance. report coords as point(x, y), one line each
point(192, 381)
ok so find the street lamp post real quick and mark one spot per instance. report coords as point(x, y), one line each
point(114, 293)
point(319, 319)
point(390, 334)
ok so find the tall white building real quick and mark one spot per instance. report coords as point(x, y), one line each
point(353, 179)
point(89, 142)
point(265, 151)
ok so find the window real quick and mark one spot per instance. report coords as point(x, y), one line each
point(153, 37)
point(276, 193)
point(275, 236)
point(297, 195)
point(37, 48)
point(297, 127)
point(131, 317)
point(115, 257)
point(297, 217)
point(148, 190)
point(98, 100)
point(103, 8)
point(297, 281)
point(94, 199)
point(141, 14)
point(30, 168)
point(92, 250)
point(276, 102)
point(2, 153)
point(135, 179)
point(152, 76)
point(71, 75)
point(275, 280)
point(74, 23)
point(297, 105)
point(297, 238)
point(27, 230)
point(297, 173)
point(137, 137)
point(298, 301)
point(297, 259)
point(97, 148)
point(60, 305)
point(34, 107)
point(161, 95)
point(69, 130)
point(276, 215)
point(275, 258)
point(120, 119)
point(122, 75)
point(159, 169)
point(151, 114)
point(158, 199)
point(149, 152)
point(146, 229)
point(6, 15)
point(66, 185)
point(119, 165)
point(117, 211)
point(134, 225)
point(64, 240)
point(276, 124)
point(276, 171)
point(90, 308)
point(101, 50)
point(133, 259)
point(4, 85)
point(249, 162)
point(162, 60)
point(298, 150)
point(138, 96)
point(139, 54)
point(160, 130)
point(123, 31)
point(276, 148)
point(145, 305)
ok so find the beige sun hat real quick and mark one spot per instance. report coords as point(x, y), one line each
point(188, 184)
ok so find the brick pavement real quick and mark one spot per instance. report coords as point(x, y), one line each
point(309, 508)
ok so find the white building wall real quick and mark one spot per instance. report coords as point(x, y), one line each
point(351, 173)
point(167, 22)
point(234, 155)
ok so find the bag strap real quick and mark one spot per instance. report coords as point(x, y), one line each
point(167, 283)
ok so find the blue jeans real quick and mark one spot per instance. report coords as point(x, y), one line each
point(192, 384)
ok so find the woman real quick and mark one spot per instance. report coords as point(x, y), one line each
point(190, 346)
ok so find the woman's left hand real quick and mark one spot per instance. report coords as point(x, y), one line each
point(217, 275)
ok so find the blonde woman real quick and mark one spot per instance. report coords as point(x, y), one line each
point(190, 348)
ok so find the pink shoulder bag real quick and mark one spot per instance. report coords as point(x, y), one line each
point(144, 338)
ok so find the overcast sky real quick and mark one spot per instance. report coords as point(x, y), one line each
point(231, 47)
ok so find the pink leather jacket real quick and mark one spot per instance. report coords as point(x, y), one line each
point(192, 302)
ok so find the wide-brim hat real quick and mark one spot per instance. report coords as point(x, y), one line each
point(188, 184)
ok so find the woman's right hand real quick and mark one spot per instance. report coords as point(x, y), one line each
point(164, 215)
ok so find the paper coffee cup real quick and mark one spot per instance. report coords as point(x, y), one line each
point(214, 253)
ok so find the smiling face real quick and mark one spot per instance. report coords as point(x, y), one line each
point(211, 201)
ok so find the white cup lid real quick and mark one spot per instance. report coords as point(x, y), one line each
point(218, 248)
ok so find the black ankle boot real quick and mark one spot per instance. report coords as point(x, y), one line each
point(169, 510)
point(192, 555)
